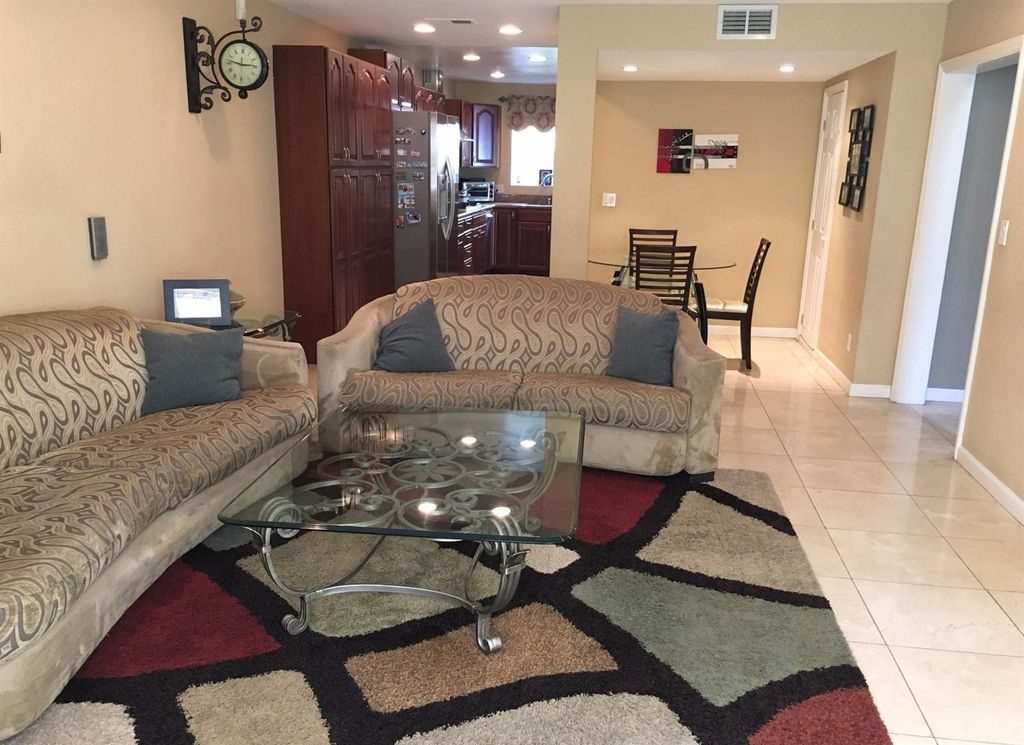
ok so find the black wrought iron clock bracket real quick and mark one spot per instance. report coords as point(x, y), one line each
point(201, 79)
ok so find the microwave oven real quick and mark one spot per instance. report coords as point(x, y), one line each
point(474, 192)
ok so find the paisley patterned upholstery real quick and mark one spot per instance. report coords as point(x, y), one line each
point(380, 391)
point(603, 400)
point(190, 449)
point(533, 324)
point(59, 528)
point(66, 375)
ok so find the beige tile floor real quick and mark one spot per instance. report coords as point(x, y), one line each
point(924, 569)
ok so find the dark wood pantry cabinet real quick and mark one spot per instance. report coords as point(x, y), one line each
point(522, 243)
point(334, 135)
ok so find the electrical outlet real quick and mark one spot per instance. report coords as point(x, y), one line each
point(849, 342)
point(608, 199)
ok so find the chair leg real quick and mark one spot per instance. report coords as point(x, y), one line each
point(745, 341)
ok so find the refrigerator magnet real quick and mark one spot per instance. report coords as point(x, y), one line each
point(413, 218)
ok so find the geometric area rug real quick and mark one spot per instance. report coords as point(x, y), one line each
point(674, 617)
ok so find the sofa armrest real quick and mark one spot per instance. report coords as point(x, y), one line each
point(701, 371)
point(352, 349)
point(265, 363)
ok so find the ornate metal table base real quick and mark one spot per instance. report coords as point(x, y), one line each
point(512, 561)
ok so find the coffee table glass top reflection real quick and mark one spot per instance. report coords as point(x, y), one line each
point(469, 475)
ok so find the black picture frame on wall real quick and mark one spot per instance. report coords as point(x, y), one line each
point(851, 192)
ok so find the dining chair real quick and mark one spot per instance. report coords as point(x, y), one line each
point(698, 308)
point(743, 311)
point(650, 237)
point(664, 271)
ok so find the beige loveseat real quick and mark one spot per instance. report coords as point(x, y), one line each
point(96, 500)
point(534, 343)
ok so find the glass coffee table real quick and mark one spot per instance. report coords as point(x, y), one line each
point(505, 480)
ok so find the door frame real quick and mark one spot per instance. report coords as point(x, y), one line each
point(946, 143)
point(842, 88)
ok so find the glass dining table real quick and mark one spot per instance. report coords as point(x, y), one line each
point(624, 279)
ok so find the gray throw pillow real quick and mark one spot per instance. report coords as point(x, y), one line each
point(642, 346)
point(191, 369)
point(413, 343)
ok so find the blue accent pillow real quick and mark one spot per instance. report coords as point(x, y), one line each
point(643, 345)
point(413, 343)
point(191, 369)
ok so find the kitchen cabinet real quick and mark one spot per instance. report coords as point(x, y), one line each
point(334, 131)
point(522, 240)
point(474, 236)
point(486, 135)
point(481, 132)
point(425, 99)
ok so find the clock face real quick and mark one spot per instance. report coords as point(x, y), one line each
point(243, 65)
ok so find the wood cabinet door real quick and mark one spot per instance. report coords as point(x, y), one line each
point(345, 242)
point(486, 135)
point(365, 112)
point(407, 86)
point(419, 98)
point(504, 239)
point(385, 241)
point(342, 122)
point(533, 245)
point(383, 115)
point(395, 77)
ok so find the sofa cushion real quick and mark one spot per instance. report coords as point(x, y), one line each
point(59, 528)
point(642, 347)
point(66, 375)
point(191, 369)
point(461, 389)
point(531, 324)
point(413, 343)
point(190, 449)
point(604, 400)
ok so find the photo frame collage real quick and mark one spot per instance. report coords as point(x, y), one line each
point(862, 127)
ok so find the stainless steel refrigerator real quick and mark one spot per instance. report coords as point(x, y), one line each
point(426, 158)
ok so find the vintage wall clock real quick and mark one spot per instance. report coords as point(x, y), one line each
point(232, 60)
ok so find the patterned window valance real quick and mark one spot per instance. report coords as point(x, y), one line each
point(529, 111)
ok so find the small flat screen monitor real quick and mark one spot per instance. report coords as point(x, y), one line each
point(202, 302)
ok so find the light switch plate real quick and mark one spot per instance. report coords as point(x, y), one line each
point(608, 199)
point(1004, 232)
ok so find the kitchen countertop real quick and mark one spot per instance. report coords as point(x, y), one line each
point(471, 209)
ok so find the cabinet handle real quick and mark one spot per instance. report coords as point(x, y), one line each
point(345, 151)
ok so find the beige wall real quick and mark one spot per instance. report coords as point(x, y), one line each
point(476, 92)
point(914, 31)
point(994, 430)
point(852, 231)
point(723, 212)
point(94, 122)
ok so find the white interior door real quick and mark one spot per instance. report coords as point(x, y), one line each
point(826, 185)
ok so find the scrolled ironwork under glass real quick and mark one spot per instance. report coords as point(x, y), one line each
point(504, 479)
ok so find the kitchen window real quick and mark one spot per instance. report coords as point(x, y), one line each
point(533, 157)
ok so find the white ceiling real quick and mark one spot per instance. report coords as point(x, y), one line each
point(761, 66)
point(388, 23)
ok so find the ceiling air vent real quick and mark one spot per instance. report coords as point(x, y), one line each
point(747, 21)
point(453, 21)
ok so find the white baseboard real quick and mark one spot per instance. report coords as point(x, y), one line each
point(1012, 501)
point(865, 390)
point(765, 332)
point(834, 372)
point(953, 395)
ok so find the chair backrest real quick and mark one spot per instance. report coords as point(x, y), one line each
point(665, 271)
point(650, 237)
point(755, 272)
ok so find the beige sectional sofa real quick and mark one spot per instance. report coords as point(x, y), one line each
point(95, 500)
point(535, 343)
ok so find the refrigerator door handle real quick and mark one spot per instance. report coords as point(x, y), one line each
point(447, 211)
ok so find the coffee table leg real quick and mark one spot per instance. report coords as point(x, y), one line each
point(513, 559)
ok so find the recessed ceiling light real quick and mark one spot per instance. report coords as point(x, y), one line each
point(629, 68)
point(497, 74)
point(423, 28)
point(787, 68)
point(471, 57)
point(510, 30)
point(538, 58)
